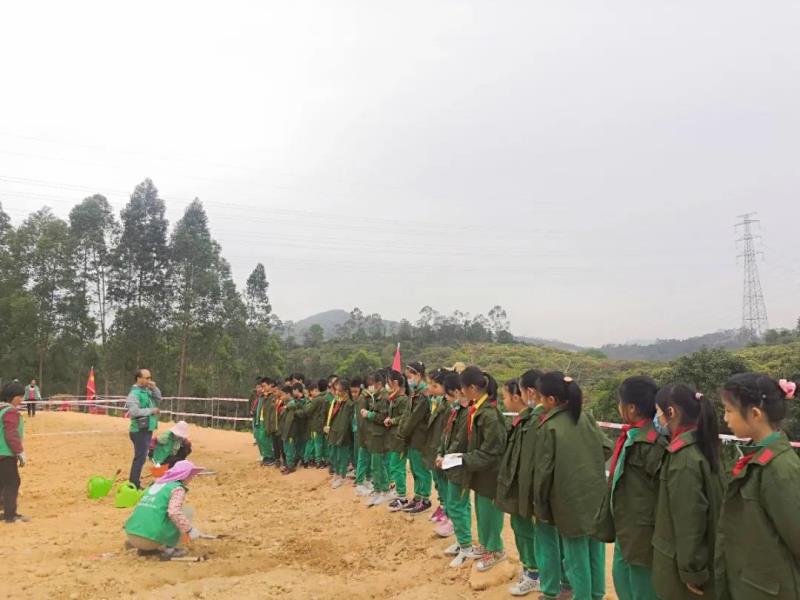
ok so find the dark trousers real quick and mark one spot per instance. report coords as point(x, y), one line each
point(31, 408)
point(9, 486)
point(141, 444)
point(277, 449)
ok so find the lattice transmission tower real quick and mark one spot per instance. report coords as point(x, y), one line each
point(754, 310)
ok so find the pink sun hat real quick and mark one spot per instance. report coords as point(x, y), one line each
point(180, 429)
point(183, 469)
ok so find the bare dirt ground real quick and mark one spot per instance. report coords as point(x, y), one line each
point(289, 537)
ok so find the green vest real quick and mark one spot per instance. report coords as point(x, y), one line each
point(167, 445)
point(144, 402)
point(150, 519)
point(4, 448)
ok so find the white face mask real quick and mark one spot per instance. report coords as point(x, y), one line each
point(388, 387)
point(371, 389)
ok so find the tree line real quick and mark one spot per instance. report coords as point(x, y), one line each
point(119, 292)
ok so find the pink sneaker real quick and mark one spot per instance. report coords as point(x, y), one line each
point(436, 517)
point(444, 529)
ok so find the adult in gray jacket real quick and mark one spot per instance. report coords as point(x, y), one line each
point(142, 407)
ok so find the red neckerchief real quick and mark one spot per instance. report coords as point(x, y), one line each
point(337, 404)
point(279, 406)
point(681, 430)
point(623, 437)
point(450, 420)
point(740, 464)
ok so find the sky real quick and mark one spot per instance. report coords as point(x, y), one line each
point(581, 164)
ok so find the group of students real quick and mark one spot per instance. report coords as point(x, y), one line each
point(681, 527)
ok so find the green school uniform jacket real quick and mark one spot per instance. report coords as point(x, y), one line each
point(397, 411)
point(433, 438)
point(758, 542)
point(454, 441)
point(315, 412)
point(299, 427)
point(341, 433)
point(375, 432)
point(569, 478)
point(361, 422)
point(271, 416)
point(486, 444)
point(628, 513)
point(414, 426)
point(515, 477)
point(689, 499)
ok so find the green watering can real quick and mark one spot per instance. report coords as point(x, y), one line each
point(127, 496)
point(98, 486)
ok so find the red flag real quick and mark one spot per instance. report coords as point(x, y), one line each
point(397, 365)
point(90, 389)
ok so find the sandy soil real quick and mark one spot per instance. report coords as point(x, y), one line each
point(290, 537)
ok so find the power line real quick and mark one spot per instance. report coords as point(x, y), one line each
point(754, 309)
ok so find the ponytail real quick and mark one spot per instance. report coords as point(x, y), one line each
point(491, 388)
point(481, 380)
point(564, 390)
point(695, 409)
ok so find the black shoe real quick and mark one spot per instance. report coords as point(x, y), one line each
point(16, 518)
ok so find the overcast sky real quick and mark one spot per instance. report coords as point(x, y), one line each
point(580, 163)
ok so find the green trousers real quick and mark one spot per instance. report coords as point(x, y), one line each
point(441, 483)
point(320, 446)
point(290, 451)
point(422, 475)
point(397, 471)
point(490, 523)
point(363, 465)
point(525, 537)
point(547, 547)
point(459, 512)
point(341, 459)
point(308, 451)
point(585, 563)
point(264, 443)
point(631, 582)
point(380, 474)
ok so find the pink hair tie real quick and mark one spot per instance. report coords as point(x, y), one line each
point(789, 388)
point(567, 379)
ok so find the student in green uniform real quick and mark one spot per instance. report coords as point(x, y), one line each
point(356, 389)
point(486, 444)
point(758, 540)
point(285, 422)
point(264, 441)
point(273, 407)
point(515, 478)
point(363, 459)
point(459, 508)
point(414, 429)
point(294, 429)
point(329, 396)
point(629, 511)
point(339, 429)
point(396, 446)
point(569, 483)
point(689, 495)
point(433, 438)
point(315, 412)
point(374, 415)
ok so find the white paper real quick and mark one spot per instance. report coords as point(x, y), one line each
point(451, 460)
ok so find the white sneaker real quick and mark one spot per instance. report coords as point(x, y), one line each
point(377, 499)
point(452, 550)
point(337, 483)
point(489, 560)
point(391, 495)
point(525, 585)
point(476, 552)
point(459, 560)
point(363, 490)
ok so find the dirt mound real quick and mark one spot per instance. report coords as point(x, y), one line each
point(289, 537)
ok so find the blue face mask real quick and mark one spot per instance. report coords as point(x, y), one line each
point(662, 429)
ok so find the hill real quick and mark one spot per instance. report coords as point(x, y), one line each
point(665, 350)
